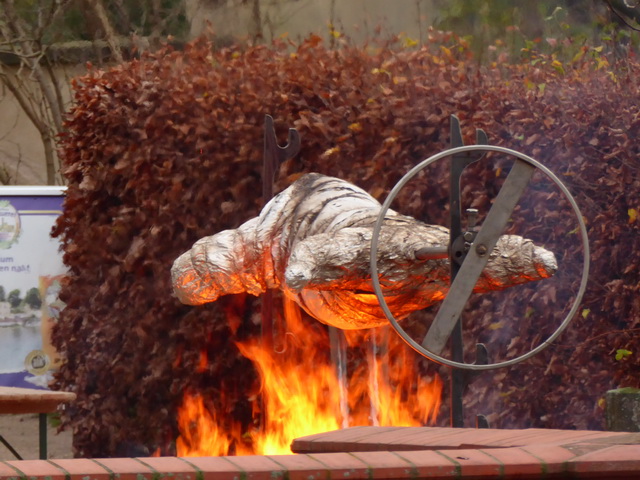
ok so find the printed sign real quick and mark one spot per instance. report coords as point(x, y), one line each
point(30, 272)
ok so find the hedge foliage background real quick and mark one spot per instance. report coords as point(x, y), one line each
point(166, 149)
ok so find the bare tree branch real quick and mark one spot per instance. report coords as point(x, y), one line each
point(32, 80)
point(123, 18)
point(32, 85)
point(23, 100)
point(109, 33)
point(163, 20)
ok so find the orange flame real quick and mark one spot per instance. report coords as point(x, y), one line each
point(301, 393)
point(390, 383)
point(202, 433)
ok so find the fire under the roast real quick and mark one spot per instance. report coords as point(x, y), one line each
point(313, 242)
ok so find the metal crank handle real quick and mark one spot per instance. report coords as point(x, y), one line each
point(475, 261)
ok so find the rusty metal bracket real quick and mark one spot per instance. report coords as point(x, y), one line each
point(274, 155)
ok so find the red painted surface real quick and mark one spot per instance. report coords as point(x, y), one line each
point(380, 453)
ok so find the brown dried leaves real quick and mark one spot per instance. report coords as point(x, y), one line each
point(167, 149)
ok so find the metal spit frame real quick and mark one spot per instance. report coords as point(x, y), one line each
point(467, 252)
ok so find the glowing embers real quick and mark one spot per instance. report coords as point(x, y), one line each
point(301, 392)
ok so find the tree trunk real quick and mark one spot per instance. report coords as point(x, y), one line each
point(256, 21)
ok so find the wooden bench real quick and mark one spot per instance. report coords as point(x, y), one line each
point(15, 400)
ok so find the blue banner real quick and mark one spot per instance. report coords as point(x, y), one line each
point(31, 269)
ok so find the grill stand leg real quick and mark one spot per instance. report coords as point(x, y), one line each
point(458, 164)
point(42, 420)
point(10, 448)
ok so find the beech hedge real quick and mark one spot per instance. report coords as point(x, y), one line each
point(165, 149)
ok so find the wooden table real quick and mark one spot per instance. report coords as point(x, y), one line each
point(15, 400)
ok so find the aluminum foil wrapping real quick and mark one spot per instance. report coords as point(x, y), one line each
point(313, 242)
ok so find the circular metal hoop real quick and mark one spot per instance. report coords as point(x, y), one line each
point(374, 254)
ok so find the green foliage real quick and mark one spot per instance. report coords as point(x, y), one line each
point(622, 353)
point(53, 419)
point(562, 29)
point(151, 17)
point(32, 298)
point(78, 20)
point(14, 298)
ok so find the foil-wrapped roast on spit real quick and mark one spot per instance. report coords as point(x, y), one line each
point(313, 242)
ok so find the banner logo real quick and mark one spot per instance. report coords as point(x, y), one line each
point(9, 224)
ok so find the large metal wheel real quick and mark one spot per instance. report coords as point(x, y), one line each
point(471, 268)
